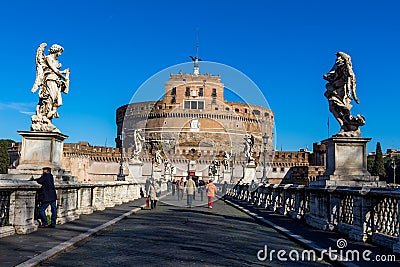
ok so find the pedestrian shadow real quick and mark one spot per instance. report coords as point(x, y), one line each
point(208, 213)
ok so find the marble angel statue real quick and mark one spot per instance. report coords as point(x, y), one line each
point(51, 82)
point(340, 90)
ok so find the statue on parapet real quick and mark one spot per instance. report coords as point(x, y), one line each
point(248, 147)
point(226, 160)
point(340, 90)
point(137, 144)
point(51, 82)
point(158, 158)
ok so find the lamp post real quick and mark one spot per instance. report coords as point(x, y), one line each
point(393, 165)
point(265, 143)
point(121, 176)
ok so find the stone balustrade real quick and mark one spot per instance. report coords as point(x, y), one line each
point(362, 214)
point(18, 201)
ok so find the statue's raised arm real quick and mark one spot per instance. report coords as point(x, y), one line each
point(51, 82)
point(340, 90)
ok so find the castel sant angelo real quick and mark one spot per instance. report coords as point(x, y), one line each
point(193, 122)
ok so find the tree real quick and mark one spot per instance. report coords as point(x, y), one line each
point(378, 169)
point(4, 158)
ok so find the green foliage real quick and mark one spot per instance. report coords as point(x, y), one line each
point(378, 169)
point(4, 158)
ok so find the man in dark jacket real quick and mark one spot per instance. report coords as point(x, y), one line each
point(47, 196)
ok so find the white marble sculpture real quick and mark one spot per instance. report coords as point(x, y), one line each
point(194, 125)
point(158, 158)
point(167, 167)
point(226, 160)
point(340, 90)
point(51, 82)
point(137, 144)
point(248, 147)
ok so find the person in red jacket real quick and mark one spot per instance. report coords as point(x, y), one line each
point(47, 196)
point(211, 190)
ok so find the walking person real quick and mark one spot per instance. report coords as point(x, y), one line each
point(173, 187)
point(190, 188)
point(152, 194)
point(181, 187)
point(47, 196)
point(211, 190)
point(201, 189)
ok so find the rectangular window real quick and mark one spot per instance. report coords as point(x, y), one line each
point(201, 92)
point(173, 100)
point(214, 92)
point(187, 92)
point(186, 105)
point(193, 104)
point(201, 105)
point(214, 100)
point(173, 91)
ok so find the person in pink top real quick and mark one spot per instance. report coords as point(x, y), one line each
point(211, 190)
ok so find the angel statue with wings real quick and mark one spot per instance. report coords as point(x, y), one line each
point(248, 147)
point(51, 82)
point(340, 90)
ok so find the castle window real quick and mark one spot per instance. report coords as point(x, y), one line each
point(245, 110)
point(187, 92)
point(214, 92)
point(173, 91)
point(273, 169)
point(256, 112)
point(201, 92)
point(173, 100)
point(237, 110)
point(227, 109)
point(266, 114)
point(201, 105)
point(282, 169)
point(193, 104)
point(160, 107)
point(216, 108)
point(214, 100)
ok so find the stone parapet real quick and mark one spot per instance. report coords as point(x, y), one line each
point(73, 199)
point(363, 214)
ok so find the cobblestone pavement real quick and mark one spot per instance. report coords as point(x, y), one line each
point(173, 235)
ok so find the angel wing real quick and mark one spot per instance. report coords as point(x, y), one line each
point(40, 64)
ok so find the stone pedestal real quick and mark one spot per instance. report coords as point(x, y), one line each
point(136, 171)
point(157, 174)
point(346, 164)
point(249, 173)
point(39, 149)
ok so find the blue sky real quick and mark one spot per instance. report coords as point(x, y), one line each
point(112, 47)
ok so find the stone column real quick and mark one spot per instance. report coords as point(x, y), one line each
point(85, 200)
point(24, 210)
point(396, 246)
point(361, 210)
point(67, 199)
point(98, 198)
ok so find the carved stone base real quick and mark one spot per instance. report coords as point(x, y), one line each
point(249, 174)
point(358, 235)
point(39, 149)
point(319, 223)
point(346, 164)
point(136, 171)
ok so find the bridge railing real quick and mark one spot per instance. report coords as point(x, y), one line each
point(18, 210)
point(364, 215)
